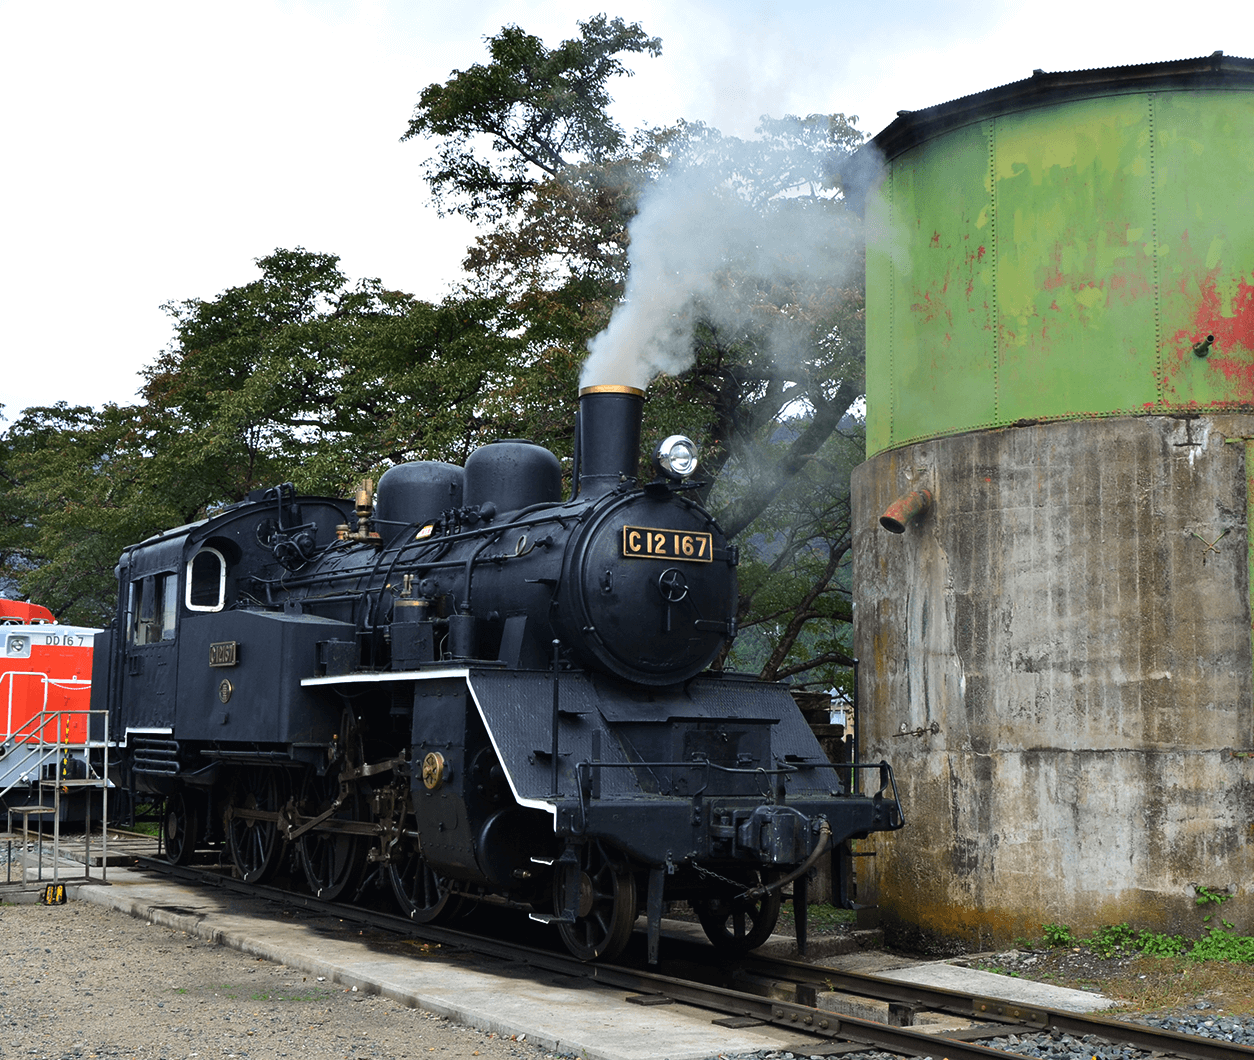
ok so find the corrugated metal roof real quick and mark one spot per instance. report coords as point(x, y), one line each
point(1212, 71)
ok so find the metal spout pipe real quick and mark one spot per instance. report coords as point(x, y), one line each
point(906, 509)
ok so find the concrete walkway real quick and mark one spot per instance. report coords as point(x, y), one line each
point(554, 1012)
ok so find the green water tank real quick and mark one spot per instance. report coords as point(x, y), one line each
point(1072, 245)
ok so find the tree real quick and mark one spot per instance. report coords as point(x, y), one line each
point(559, 203)
point(795, 598)
point(76, 491)
point(540, 109)
point(296, 376)
point(300, 375)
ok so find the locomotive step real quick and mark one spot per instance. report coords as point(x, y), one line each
point(550, 918)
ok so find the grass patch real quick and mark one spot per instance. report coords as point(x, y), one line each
point(1121, 940)
point(820, 916)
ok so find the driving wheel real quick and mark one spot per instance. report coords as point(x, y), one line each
point(254, 841)
point(736, 924)
point(423, 895)
point(180, 827)
point(606, 904)
point(332, 861)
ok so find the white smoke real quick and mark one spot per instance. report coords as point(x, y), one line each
point(708, 245)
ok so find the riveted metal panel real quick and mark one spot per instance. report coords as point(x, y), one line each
point(1059, 262)
point(1204, 168)
point(879, 319)
point(1075, 285)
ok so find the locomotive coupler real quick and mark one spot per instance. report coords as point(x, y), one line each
point(778, 835)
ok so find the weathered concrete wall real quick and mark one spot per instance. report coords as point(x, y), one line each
point(1074, 614)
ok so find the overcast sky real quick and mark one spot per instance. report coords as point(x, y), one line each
point(152, 151)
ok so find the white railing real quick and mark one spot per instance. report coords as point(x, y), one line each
point(36, 749)
point(29, 742)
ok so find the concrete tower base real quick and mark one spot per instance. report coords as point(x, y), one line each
point(1073, 612)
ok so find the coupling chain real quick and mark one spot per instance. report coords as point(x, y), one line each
point(710, 874)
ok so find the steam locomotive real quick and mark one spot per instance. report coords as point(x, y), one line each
point(469, 689)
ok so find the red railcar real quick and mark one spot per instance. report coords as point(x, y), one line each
point(45, 692)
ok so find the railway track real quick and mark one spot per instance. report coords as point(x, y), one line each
point(787, 994)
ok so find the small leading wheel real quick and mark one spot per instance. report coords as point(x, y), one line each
point(332, 861)
point(606, 908)
point(736, 924)
point(255, 844)
point(423, 895)
point(180, 827)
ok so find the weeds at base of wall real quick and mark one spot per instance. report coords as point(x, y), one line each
point(1116, 940)
point(1141, 971)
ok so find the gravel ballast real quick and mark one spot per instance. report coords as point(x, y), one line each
point(80, 981)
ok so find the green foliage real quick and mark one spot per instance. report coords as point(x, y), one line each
point(1205, 896)
point(820, 915)
point(795, 588)
point(300, 376)
point(519, 146)
point(78, 489)
point(541, 110)
point(1222, 944)
point(296, 376)
point(1058, 935)
point(1107, 940)
point(1119, 938)
point(1155, 944)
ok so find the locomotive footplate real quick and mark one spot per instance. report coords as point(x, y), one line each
point(725, 762)
point(761, 835)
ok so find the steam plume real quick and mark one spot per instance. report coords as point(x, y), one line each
point(703, 249)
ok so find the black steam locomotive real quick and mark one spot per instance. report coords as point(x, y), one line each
point(473, 689)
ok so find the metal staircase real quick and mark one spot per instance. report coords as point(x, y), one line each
point(51, 754)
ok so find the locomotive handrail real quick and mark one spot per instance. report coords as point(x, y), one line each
point(888, 779)
point(464, 535)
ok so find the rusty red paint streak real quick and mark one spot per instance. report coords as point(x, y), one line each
point(1236, 330)
point(979, 254)
point(1234, 334)
point(936, 239)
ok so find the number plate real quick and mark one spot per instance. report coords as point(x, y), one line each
point(646, 542)
point(222, 653)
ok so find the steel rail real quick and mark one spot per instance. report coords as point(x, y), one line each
point(1025, 1017)
point(804, 1019)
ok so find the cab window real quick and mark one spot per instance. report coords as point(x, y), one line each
point(206, 581)
point(152, 608)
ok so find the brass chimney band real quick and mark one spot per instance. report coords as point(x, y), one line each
point(611, 388)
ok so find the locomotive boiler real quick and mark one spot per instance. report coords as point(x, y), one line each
point(470, 688)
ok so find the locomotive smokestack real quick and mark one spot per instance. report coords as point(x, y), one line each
point(608, 441)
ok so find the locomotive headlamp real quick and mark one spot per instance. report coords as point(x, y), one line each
point(676, 457)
